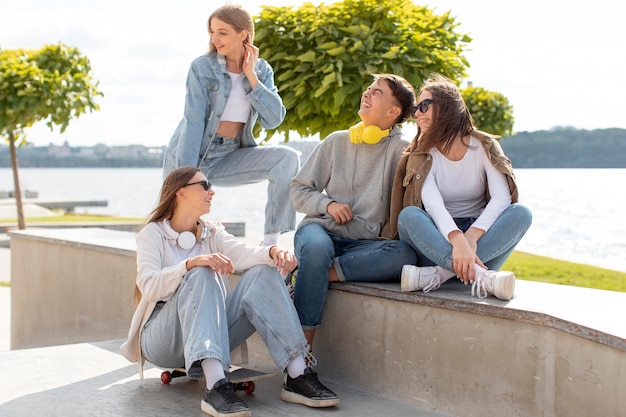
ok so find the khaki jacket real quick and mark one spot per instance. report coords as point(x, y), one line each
point(415, 165)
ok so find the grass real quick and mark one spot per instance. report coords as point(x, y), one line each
point(526, 266)
point(543, 269)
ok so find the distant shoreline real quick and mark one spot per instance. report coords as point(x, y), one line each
point(556, 148)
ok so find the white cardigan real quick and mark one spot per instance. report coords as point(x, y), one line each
point(158, 279)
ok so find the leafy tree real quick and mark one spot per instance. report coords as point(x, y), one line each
point(491, 110)
point(52, 84)
point(323, 55)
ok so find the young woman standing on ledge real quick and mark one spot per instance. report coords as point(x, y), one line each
point(228, 89)
point(187, 316)
point(454, 199)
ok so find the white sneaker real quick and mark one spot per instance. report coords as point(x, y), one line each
point(309, 359)
point(416, 278)
point(499, 283)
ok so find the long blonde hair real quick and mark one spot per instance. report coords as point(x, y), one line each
point(174, 181)
point(237, 17)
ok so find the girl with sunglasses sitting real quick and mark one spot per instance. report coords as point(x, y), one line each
point(188, 316)
point(454, 199)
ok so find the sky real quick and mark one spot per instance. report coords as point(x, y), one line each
point(558, 62)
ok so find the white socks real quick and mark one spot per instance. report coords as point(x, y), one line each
point(296, 367)
point(213, 371)
point(270, 239)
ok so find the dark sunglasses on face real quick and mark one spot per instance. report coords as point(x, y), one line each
point(423, 105)
point(205, 184)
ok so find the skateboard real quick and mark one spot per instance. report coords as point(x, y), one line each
point(241, 378)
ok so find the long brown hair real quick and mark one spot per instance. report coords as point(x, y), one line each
point(450, 118)
point(174, 181)
point(237, 17)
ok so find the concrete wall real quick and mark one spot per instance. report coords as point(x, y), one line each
point(70, 286)
point(463, 363)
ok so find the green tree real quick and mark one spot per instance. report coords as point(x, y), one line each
point(53, 84)
point(323, 55)
point(491, 110)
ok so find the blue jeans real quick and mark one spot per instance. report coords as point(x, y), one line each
point(229, 165)
point(417, 228)
point(200, 321)
point(353, 260)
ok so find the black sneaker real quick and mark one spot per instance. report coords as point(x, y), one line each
point(308, 390)
point(222, 401)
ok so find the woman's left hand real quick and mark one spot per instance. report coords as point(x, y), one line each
point(250, 56)
point(284, 260)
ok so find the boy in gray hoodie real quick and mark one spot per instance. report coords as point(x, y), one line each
point(344, 188)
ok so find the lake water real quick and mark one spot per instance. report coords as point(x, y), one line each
point(576, 212)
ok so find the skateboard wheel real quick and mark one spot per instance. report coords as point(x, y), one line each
point(248, 387)
point(166, 377)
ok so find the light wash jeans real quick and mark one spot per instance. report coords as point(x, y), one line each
point(417, 228)
point(229, 165)
point(199, 322)
point(354, 260)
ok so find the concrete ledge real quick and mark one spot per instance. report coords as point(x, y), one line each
point(551, 351)
point(543, 353)
point(583, 312)
point(233, 227)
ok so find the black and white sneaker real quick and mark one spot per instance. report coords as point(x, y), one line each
point(308, 390)
point(222, 401)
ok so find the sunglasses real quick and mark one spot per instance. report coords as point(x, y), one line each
point(205, 184)
point(423, 105)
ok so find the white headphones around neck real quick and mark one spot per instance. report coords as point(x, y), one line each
point(187, 240)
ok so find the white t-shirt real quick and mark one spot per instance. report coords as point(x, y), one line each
point(458, 189)
point(237, 106)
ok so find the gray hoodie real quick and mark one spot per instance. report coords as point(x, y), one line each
point(360, 175)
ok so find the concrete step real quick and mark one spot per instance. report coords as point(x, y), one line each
point(94, 379)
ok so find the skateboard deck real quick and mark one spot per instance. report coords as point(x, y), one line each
point(241, 378)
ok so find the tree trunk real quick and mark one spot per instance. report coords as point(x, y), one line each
point(21, 224)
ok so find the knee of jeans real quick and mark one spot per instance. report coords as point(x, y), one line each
point(408, 214)
point(315, 246)
point(265, 272)
point(200, 274)
point(292, 160)
point(288, 166)
point(525, 214)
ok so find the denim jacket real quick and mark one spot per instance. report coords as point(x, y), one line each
point(208, 88)
point(415, 165)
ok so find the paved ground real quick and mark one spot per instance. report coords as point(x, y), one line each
point(93, 379)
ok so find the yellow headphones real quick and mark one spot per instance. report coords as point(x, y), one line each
point(368, 134)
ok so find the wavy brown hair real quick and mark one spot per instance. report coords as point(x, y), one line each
point(174, 181)
point(237, 17)
point(450, 118)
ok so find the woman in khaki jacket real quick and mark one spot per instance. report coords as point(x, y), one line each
point(454, 199)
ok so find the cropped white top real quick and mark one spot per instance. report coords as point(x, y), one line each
point(237, 106)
